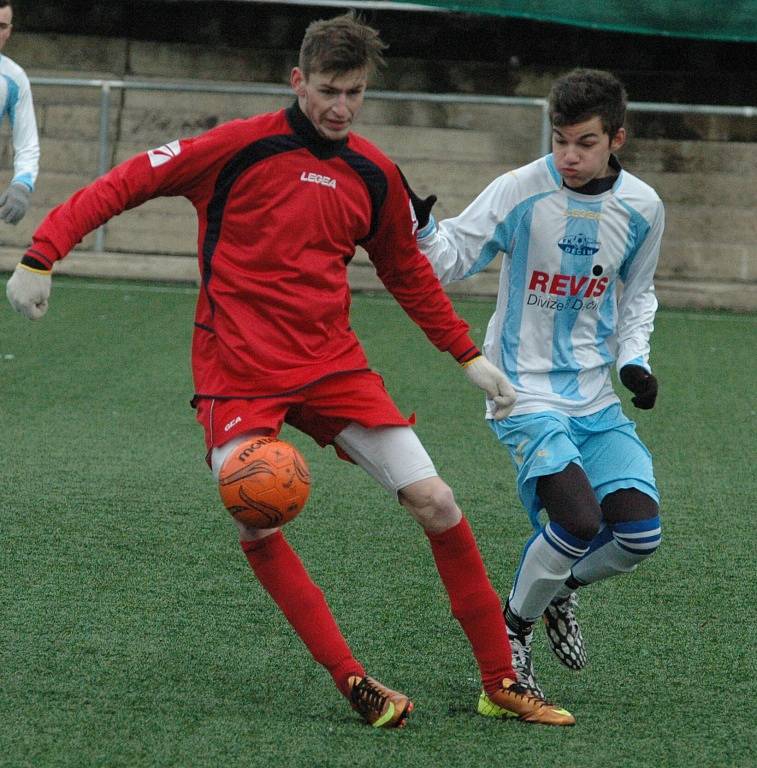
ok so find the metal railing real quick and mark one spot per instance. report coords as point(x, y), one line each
point(261, 89)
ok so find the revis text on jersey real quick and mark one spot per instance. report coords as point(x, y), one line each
point(567, 285)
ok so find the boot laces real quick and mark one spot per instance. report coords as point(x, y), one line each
point(526, 693)
point(367, 697)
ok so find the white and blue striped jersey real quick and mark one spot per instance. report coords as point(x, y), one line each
point(576, 291)
point(16, 104)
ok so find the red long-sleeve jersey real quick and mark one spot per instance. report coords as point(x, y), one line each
point(280, 211)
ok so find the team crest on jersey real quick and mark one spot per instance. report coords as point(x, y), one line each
point(163, 154)
point(578, 245)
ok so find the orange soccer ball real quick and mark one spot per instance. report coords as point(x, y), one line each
point(264, 482)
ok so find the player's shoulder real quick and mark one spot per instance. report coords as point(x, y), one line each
point(535, 178)
point(9, 68)
point(631, 186)
point(639, 196)
point(360, 145)
point(529, 182)
point(246, 130)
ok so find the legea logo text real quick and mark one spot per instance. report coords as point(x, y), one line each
point(318, 178)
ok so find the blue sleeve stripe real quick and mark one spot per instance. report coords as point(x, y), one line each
point(24, 178)
point(638, 225)
point(11, 100)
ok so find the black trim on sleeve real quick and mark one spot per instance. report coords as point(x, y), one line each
point(470, 354)
point(35, 260)
point(375, 181)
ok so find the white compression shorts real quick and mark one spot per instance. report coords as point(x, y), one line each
point(393, 456)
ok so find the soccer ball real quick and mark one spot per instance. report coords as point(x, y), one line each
point(264, 482)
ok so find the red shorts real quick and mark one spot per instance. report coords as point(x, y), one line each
point(322, 410)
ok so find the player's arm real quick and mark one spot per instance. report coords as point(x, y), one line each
point(408, 276)
point(14, 201)
point(462, 246)
point(173, 169)
point(636, 312)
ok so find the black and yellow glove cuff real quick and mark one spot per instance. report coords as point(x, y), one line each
point(35, 265)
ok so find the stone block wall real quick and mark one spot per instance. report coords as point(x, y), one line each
point(705, 168)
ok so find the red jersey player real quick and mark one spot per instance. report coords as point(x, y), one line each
point(282, 200)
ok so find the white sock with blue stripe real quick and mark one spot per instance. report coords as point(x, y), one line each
point(544, 567)
point(620, 548)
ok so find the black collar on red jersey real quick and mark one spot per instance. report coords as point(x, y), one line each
point(301, 125)
point(598, 186)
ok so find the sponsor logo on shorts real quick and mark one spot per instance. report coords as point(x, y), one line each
point(232, 423)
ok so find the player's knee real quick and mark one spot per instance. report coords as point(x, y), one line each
point(570, 502)
point(432, 503)
point(628, 504)
point(580, 522)
point(443, 501)
point(585, 527)
point(639, 538)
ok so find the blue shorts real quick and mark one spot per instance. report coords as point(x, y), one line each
point(604, 444)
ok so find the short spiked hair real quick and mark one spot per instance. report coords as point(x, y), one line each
point(340, 45)
point(586, 93)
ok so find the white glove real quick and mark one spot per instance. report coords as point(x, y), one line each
point(488, 377)
point(28, 291)
point(14, 202)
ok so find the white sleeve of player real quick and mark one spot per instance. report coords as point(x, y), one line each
point(25, 137)
point(638, 303)
point(462, 246)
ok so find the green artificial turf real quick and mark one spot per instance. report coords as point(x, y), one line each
point(134, 634)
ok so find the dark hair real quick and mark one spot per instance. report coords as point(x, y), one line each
point(4, 3)
point(586, 93)
point(339, 45)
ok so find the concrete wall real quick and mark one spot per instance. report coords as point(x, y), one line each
point(708, 182)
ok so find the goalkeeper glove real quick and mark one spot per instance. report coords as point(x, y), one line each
point(28, 291)
point(421, 207)
point(14, 202)
point(641, 383)
point(482, 374)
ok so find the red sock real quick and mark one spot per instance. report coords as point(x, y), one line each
point(284, 577)
point(474, 602)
